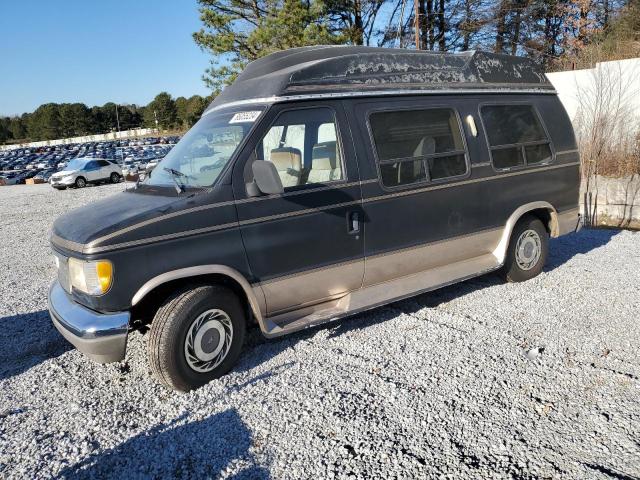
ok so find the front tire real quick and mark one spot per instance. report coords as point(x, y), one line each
point(81, 182)
point(196, 336)
point(528, 250)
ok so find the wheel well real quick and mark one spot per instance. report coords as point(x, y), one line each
point(547, 217)
point(143, 312)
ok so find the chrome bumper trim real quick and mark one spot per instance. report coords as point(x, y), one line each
point(100, 336)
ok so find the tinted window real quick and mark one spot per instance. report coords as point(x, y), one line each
point(538, 153)
point(509, 124)
point(103, 163)
point(507, 157)
point(516, 136)
point(303, 145)
point(418, 145)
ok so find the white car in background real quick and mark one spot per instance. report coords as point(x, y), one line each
point(81, 171)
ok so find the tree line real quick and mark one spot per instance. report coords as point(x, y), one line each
point(556, 33)
point(63, 120)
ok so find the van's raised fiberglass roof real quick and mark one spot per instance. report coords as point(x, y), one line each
point(360, 71)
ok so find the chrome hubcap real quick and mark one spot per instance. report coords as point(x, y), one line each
point(208, 340)
point(528, 249)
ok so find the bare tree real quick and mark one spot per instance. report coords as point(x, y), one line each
point(607, 129)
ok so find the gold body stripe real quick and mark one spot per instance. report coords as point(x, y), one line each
point(92, 247)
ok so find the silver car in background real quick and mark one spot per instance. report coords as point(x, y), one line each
point(81, 171)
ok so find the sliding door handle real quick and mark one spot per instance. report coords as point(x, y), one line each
point(353, 223)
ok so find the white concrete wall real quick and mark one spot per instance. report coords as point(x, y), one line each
point(137, 132)
point(613, 202)
point(612, 81)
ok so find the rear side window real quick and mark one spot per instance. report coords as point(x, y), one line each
point(418, 145)
point(516, 136)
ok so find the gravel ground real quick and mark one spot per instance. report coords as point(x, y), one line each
point(481, 379)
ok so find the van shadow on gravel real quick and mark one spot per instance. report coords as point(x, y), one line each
point(197, 449)
point(27, 340)
point(563, 249)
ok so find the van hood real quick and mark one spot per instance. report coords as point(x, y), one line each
point(64, 173)
point(130, 218)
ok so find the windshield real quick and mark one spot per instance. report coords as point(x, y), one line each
point(199, 157)
point(76, 164)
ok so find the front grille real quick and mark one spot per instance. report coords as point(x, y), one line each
point(63, 272)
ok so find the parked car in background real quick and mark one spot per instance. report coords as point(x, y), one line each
point(151, 165)
point(82, 171)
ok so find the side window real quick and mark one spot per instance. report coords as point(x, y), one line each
point(418, 145)
point(103, 163)
point(91, 165)
point(304, 147)
point(516, 137)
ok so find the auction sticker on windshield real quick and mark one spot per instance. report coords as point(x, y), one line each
point(242, 117)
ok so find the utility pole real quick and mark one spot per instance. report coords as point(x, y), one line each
point(117, 118)
point(155, 115)
point(416, 22)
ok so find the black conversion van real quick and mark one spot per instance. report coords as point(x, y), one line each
point(325, 181)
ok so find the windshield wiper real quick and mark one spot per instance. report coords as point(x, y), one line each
point(175, 175)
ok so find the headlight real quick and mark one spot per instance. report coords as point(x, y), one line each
point(94, 278)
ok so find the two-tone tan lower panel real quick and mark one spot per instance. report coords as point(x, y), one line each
point(394, 276)
point(401, 263)
point(312, 286)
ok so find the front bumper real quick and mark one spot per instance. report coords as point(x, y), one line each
point(100, 336)
point(62, 181)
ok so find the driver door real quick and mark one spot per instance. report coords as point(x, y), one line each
point(305, 246)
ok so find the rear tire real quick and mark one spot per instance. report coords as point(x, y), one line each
point(81, 182)
point(196, 336)
point(528, 250)
point(115, 178)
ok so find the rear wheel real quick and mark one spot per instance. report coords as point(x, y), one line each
point(115, 178)
point(81, 182)
point(528, 250)
point(196, 336)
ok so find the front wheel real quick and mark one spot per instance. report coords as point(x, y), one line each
point(81, 182)
point(196, 336)
point(528, 250)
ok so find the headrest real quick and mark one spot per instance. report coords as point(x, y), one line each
point(323, 156)
point(285, 158)
point(427, 146)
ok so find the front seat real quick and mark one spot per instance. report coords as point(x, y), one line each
point(324, 167)
point(288, 162)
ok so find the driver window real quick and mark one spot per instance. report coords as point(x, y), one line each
point(304, 147)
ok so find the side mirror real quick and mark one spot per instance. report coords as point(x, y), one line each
point(266, 178)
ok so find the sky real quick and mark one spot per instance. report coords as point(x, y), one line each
point(94, 51)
